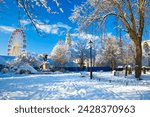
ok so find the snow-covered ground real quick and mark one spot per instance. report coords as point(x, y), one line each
point(71, 86)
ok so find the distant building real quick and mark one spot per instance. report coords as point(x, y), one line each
point(146, 53)
point(68, 39)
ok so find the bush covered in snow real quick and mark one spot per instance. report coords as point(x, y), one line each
point(25, 64)
point(25, 69)
point(4, 70)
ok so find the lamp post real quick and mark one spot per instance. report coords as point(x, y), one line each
point(149, 59)
point(90, 44)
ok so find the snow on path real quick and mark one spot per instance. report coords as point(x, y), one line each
point(72, 86)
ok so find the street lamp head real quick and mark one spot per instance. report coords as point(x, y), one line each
point(90, 43)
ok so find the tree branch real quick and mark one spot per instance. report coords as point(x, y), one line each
point(131, 15)
point(141, 6)
point(30, 17)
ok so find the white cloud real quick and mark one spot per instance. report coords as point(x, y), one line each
point(61, 25)
point(51, 29)
point(57, 28)
point(55, 31)
point(84, 35)
point(6, 28)
point(25, 22)
point(9, 29)
point(54, 28)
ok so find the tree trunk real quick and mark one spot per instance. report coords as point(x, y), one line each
point(138, 61)
point(113, 64)
point(81, 63)
point(137, 39)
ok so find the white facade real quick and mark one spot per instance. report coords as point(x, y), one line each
point(146, 53)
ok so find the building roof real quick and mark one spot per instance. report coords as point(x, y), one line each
point(4, 59)
point(7, 58)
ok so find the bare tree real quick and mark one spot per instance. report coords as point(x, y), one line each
point(129, 54)
point(110, 55)
point(80, 52)
point(59, 55)
point(132, 15)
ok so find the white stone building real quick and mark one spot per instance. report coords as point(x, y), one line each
point(146, 53)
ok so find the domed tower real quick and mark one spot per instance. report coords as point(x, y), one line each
point(68, 40)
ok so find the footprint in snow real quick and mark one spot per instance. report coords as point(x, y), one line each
point(82, 92)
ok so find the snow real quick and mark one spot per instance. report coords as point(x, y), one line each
point(25, 67)
point(72, 86)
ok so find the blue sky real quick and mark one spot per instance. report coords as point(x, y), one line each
point(56, 28)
